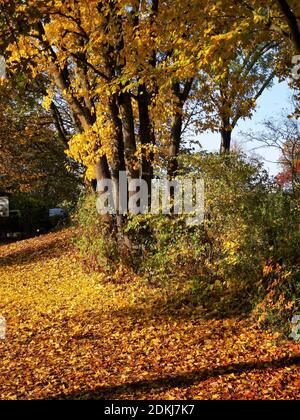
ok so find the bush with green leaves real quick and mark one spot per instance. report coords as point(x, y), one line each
point(246, 252)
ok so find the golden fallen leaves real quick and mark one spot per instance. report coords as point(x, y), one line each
point(76, 335)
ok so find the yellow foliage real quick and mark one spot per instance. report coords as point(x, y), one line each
point(80, 336)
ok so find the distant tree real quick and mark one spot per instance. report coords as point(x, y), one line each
point(283, 135)
point(229, 90)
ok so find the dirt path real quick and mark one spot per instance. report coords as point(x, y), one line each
point(74, 335)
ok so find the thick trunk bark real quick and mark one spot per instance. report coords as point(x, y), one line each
point(146, 134)
point(176, 133)
point(118, 162)
point(59, 125)
point(225, 141)
point(291, 19)
point(177, 125)
point(129, 134)
point(102, 170)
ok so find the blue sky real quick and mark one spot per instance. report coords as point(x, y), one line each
point(270, 105)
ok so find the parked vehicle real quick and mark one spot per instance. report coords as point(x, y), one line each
point(31, 222)
point(10, 226)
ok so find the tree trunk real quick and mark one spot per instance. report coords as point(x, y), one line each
point(146, 134)
point(177, 125)
point(128, 133)
point(118, 161)
point(291, 19)
point(225, 141)
point(176, 133)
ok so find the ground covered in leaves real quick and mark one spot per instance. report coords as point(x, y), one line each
point(73, 335)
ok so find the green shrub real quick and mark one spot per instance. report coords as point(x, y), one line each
point(245, 255)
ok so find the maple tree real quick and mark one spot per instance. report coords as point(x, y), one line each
point(116, 63)
point(229, 90)
point(230, 87)
point(125, 70)
point(280, 17)
point(279, 21)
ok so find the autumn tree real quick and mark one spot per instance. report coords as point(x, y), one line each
point(125, 70)
point(32, 159)
point(228, 90)
point(282, 135)
point(290, 11)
